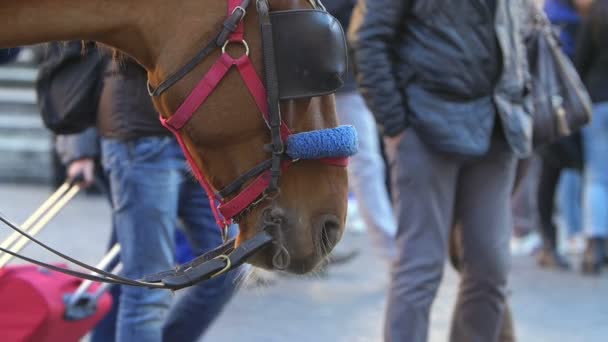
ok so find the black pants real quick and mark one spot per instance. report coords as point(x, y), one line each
point(549, 178)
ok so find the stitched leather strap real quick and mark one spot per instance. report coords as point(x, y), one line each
point(204, 267)
point(230, 25)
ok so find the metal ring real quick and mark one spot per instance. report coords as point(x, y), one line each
point(225, 269)
point(243, 42)
point(151, 90)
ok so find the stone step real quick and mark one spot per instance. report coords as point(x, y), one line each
point(17, 131)
point(26, 167)
point(25, 145)
point(25, 142)
point(21, 122)
point(18, 76)
point(21, 101)
point(17, 95)
point(26, 156)
point(7, 109)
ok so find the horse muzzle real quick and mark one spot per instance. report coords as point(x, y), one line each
point(297, 248)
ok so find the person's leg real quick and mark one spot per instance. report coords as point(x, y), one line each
point(423, 187)
point(549, 255)
point(523, 207)
point(105, 331)
point(144, 182)
point(198, 306)
point(595, 193)
point(507, 328)
point(366, 173)
point(569, 201)
point(549, 177)
point(482, 206)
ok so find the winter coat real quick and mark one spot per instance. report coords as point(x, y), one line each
point(447, 68)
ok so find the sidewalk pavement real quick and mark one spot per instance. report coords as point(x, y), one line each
point(346, 304)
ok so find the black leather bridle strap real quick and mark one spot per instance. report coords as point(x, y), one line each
point(200, 271)
point(229, 25)
point(110, 276)
point(214, 263)
point(65, 270)
point(224, 249)
point(272, 89)
point(238, 183)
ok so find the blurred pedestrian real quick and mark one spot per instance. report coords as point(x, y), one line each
point(592, 63)
point(367, 169)
point(561, 161)
point(80, 154)
point(452, 108)
point(152, 191)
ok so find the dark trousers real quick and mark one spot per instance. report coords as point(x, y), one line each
point(432, 191)
point(549, 177)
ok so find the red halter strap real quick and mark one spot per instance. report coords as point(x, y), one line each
point(228, 209)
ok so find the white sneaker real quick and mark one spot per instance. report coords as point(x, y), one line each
point(525, 245)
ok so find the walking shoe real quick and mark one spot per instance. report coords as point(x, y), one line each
point(550, 258)
point(593, 258)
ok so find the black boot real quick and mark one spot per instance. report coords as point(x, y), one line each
point(594, 255)
point(549, 257)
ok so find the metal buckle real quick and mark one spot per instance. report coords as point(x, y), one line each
point(243, 42)
point(224, 232)
point(225, 269)
point(242, 10)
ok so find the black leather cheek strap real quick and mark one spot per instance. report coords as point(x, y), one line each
point(218, 261)
point(215, 263)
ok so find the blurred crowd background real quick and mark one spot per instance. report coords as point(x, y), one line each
point(561, 194)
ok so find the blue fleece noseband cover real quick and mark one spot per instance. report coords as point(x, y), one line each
point(336, 142)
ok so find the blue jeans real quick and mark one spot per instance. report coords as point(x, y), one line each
point(151, 190)
point(595, 193)
point(105, 330)
point(569, 200)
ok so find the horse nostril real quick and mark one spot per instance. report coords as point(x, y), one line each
point(330, 233)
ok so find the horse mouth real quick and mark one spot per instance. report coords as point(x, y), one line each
point(297, 250)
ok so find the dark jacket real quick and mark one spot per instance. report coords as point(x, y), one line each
point(445, 67)
point(592, 52)
point(126, 110)
point(74, 147)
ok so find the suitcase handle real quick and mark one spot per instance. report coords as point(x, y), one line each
point(84, 308)
point(40, 218)
point(84, 305)
point(103, 264)
point(79, 178)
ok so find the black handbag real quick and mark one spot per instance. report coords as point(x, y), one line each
point(559, 103)
point(69, 86)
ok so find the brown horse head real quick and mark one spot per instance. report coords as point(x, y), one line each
point(226, 138)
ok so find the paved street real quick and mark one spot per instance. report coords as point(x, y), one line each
point(346, 304)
